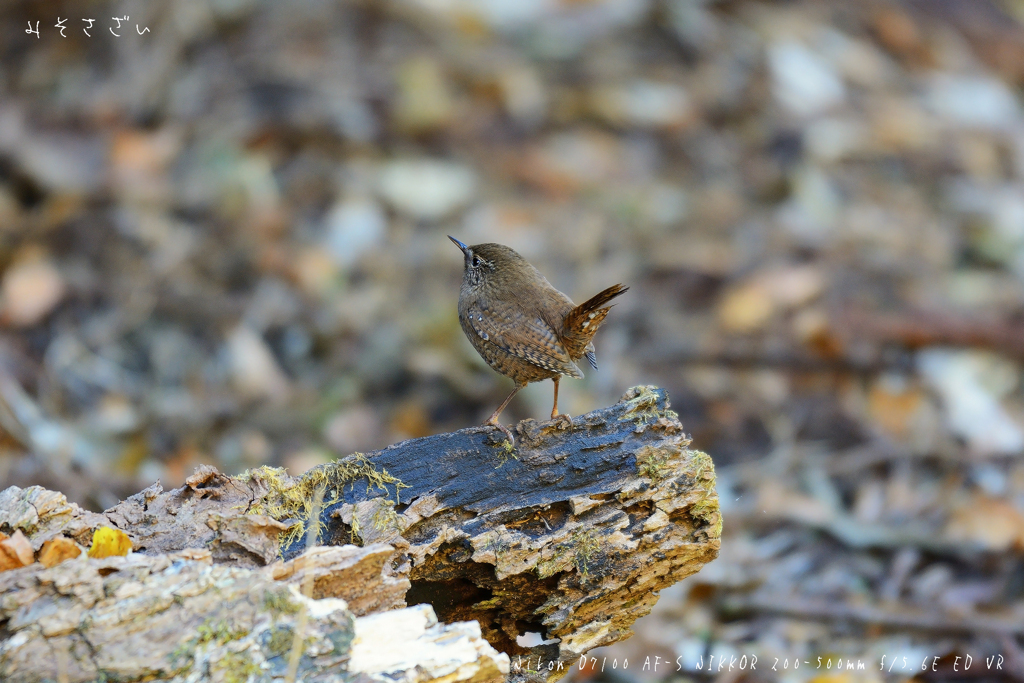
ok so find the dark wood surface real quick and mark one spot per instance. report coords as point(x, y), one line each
point(470, 469)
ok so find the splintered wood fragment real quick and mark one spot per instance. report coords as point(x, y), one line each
point(15, 551)
point(409, 646)
point(570, 535)
point(350, 572)
point(43, 514)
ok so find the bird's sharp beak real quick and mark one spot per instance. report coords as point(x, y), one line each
point(459, 244)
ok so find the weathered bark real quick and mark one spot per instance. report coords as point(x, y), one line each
point(178, 617)
point(570, 536)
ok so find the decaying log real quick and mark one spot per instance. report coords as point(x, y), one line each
point(570, 535)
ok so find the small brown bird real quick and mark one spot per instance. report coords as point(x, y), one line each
point(522, 326)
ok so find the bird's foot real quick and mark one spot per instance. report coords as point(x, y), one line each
point(564, 421)
point(493, 422)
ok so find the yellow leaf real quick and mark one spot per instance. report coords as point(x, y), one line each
point(107, 542)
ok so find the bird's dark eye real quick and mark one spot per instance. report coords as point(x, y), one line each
point(476, 261)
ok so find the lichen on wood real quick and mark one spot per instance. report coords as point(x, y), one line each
point(290, 499)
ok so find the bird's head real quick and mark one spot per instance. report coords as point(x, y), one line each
point(484, 262)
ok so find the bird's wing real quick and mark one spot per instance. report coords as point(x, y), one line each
point(522, 335)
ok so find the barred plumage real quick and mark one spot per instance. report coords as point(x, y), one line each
point(522, 326)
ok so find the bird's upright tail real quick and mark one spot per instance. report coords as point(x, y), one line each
point(582, 322)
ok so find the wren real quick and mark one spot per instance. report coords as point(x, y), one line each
point(522, 326)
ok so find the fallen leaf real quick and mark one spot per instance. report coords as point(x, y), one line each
point(56, 550)
point(107, 542)
point(992, 523)
point(751, 305)
point(256, 372)
point(893, 407)
point(15, 552)
point(779, 501)
point(30, 289)
point(746, 308)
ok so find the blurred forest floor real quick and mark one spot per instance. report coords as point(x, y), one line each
point(223, 241)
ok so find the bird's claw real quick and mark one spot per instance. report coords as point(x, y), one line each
point(504, 430)
point(564, 421)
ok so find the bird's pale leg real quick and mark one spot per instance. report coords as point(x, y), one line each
point(493, 419)
point(554, 409)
